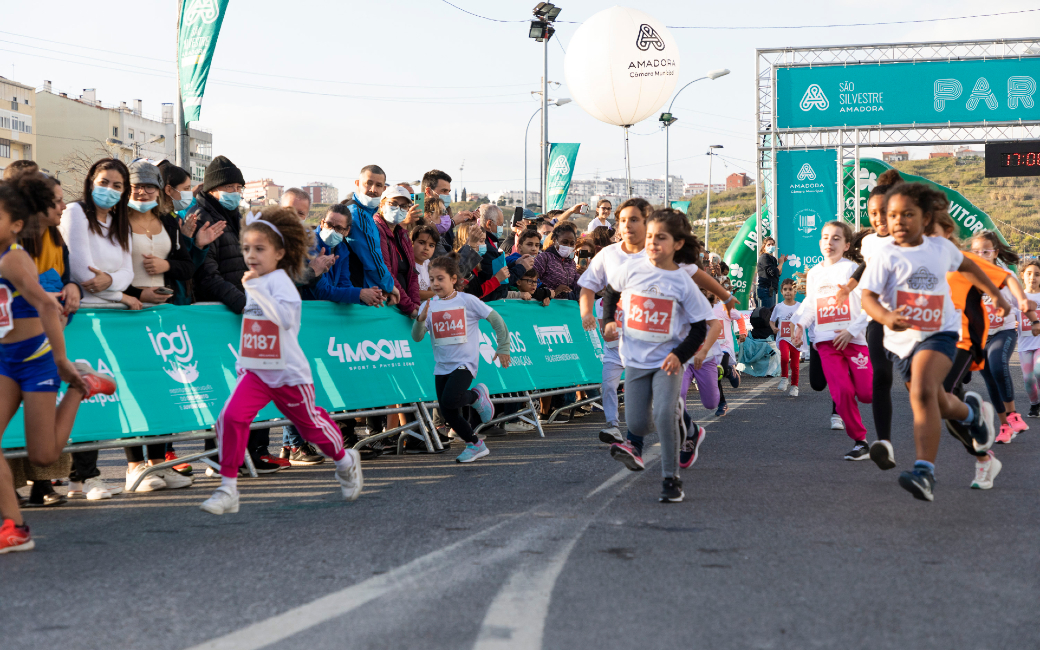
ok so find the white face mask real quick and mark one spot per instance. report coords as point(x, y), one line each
point(394, 214)
point(364, 199)
point(566, 251)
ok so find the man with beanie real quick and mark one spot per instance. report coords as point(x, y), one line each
point(219, 278)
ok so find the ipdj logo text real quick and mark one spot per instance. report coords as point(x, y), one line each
point(648, 36)
point(175, 349)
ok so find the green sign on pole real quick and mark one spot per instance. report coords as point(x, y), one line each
point(926, 92)
point(561, 168)
point(681, 206)
point(806, 198)
point(197, 33)
point(742, 258)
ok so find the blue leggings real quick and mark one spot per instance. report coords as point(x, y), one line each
point(997, 372)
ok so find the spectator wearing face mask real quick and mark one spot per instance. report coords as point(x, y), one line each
point(219, 279)
point(366, 244)
point(555, 264)
point(769, 270)
point(436, 186)
point(337, 284)
point(397, 246)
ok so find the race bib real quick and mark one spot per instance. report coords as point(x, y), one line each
point(830, 315)
point(449, 326)
point(924, 312)
point(996, 321)
point(1026, 327)
point(786, 330)
point(6, 322)
point(649, 317)
point(260, 347)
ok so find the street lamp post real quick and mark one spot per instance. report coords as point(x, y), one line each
point(541, 30)
point(668, 119)
point(552, 102)
point(707, 203)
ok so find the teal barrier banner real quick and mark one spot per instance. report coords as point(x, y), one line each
point(806, 198)
point(175, 366)
point(562, 156)
point(926, 92)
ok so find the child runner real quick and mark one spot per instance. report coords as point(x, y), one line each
point(666, 320)
point(839, 330)
point(33, 362)
point(783, 326)
point(271, 365)
point(1003, 336)
point(453, 318)
point(905, 289)
point(1029, 339)
point(716, 363)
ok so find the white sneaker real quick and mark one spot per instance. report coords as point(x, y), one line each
point(784, 383)
point(212, 473)
point(351, 480)
point(611, 435)
point(986, 472)
point(174, 480)
point(95, 489)
point(150, 483)
point(518, 426)
point(223, 502)
point(836, 423)
point(793, 392)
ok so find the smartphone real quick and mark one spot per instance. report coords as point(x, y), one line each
point(163, 291)
point(582, 254)
point(584, 210)
point(420, 201)
point(518, 216)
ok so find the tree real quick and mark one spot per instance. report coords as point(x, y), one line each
point(73, 167)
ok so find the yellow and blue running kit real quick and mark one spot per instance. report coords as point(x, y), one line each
point(29, 363)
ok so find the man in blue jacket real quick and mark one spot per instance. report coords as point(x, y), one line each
point(365, 244)
point(336, 284)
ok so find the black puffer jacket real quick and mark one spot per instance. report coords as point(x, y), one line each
point(219, 278)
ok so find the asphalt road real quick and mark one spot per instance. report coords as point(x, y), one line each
point(552, 544)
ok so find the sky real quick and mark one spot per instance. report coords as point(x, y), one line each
point(313, 90)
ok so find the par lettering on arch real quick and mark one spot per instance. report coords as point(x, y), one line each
point(1021, 89)
point(983, 92)
point(945, 90)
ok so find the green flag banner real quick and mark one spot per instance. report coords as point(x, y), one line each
point(561, 168)
point(742, 258)
point(175, 366)
point(681, 206)
point(197, 33)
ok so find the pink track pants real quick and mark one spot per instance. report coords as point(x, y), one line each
point(295, 402)
point(849, 377)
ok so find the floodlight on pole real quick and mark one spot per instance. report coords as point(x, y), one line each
point(541, 30)
point(668, 119)
point(707, 203)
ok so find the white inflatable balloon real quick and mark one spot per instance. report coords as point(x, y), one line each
point(621, 66)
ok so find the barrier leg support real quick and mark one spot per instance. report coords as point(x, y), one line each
point(533, 410)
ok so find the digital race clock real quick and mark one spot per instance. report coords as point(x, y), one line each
point(1012, 159)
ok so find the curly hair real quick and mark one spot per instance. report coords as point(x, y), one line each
point(295, 237)
point(930, 201)
point(24, 198)
point(678, 226)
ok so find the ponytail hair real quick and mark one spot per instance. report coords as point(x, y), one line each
point(677, 225)
point(885, 182)
point(1004, 252)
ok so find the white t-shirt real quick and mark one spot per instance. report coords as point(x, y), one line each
point(1026, 340)
point(871, 244)
point(605, 262)
point(659, 307)
point(454, 329)
point(998, 323)
point(916, 277)
point(821, 284)
point(268, 344)
point(597, 223)
point(783, 317)
point(422, 272)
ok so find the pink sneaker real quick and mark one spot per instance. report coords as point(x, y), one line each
point(1006, 434)
point(1017, 423)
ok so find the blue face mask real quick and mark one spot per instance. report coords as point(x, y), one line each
point(230, 200)
point(482, 249)
point(770, 249)
point(394, 214)
point(184, 202)
point(331, 237)
point(446, 198)
point(142, 206)
point(105, 197)
point(501, 231)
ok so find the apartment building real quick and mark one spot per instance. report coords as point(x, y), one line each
point(322, 193)
point(17, 122)
point(262, 192)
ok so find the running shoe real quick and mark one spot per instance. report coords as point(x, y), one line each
point(472, 452)
point(15, 538)
point(986, 472)
point(483, 406)
point(183, 468)
point(982, 432)
point(722, 410)
point(1006, 435)
point(1034, 411)
point(1018, 425)
point(94, 489)
point(793, 392)
point(611, 435)
point(223, 502)
point(859, 452)
point(351, 480)
point(173, 480)
point(149, 483)
point(784, 383)
point(919, 483)
point(836, 423)
point(734, 377)
point(305, 455)
point(671, 490)
point(275, 460)
point(285, 453)
point(626, 454)
point(691, 447)
point(517, 427)
point(882, 454)
point(97, 383)
point(262, 466)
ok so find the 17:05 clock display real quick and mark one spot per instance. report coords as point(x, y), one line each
point(1012, 159)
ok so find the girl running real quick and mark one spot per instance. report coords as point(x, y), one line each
point(666, 321)
point(453, 318)
point(1003, 336)
point(33, 362)
point(839, 328)
point(906, 290)
point(1029, 339)
point(718, 362)
point(781, 323)
point(271, 366)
